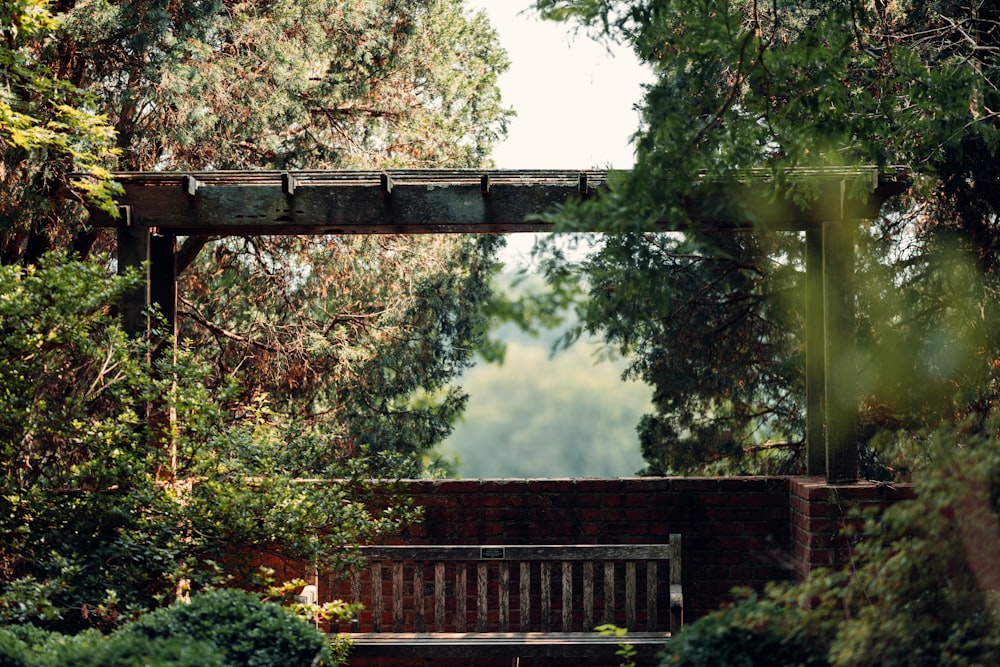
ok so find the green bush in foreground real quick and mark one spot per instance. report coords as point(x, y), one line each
point(226, 628)
point(127, 650)
point(13, 651)
point(246, 631)
point(750, 633)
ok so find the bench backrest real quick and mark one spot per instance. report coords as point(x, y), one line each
point(518, 588)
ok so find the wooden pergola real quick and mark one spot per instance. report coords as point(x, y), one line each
point(157, 207)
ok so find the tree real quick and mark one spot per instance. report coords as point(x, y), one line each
point(317, 326)
point(48, 129)
point(781, 85)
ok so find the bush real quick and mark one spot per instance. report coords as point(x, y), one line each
point(130, 650)
point(246, 631)
point(753, 632)
point(13, 651)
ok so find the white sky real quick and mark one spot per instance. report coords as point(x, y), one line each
point(573, 98)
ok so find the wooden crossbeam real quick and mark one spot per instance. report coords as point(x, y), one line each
point(245, 203)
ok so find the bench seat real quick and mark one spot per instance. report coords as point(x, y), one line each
point(501, 644)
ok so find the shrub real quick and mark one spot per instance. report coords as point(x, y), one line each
point(247, 632)
point(13, 651)
point(752, 632)
point(130, 650)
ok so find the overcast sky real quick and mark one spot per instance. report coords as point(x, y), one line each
point(574, 100)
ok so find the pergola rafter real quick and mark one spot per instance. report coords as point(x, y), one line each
point(159, 206)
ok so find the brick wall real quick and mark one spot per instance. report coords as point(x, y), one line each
point(736, 531)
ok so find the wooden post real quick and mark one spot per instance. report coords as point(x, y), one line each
point(155, 257)
point(163, 279)
point(815, 355)
point(163, 296)
point(133, 253)
point(841, 373)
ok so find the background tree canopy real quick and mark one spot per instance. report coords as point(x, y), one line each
point(714, 323)
point(356, 337)
point(544, 412)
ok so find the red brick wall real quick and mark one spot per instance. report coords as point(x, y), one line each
point(736, 531)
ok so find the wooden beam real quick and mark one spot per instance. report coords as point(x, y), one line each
point(438, 201)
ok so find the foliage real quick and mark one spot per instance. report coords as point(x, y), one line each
point(921, 588)
point(13, 651)
point(790, 85)
point(625, 650)
point(362, 351)
point(48, 127)
point(225, 628)
point(246, 631)
point(125, 650)
point(95, 525)
point(751, 632)
point(317, 326)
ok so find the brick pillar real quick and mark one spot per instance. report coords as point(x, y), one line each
point(820, 512)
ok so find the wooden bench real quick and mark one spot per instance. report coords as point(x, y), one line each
point(515, 601)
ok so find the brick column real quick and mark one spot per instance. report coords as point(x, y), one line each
point(820, 512)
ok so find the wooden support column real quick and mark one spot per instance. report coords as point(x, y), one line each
point(163, 279)
point(133, 253)
point(163, 296)
point(155, 257)
point(815, 355)
point(841, 405)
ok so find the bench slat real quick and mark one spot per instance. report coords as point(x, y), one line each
point(525, 583)
point(518, 552)
point(461, 591)
point(418, 599)
point(609, 592)
point(356, 598)
point(546, 596)
point(504, 620)
point(567, 596)
point(630, 601)
point(398, 616)
point(482, 606)
point(501, 645)
point(588, 594)
point(376, 596)
point(651, 585)
point(440, 605)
